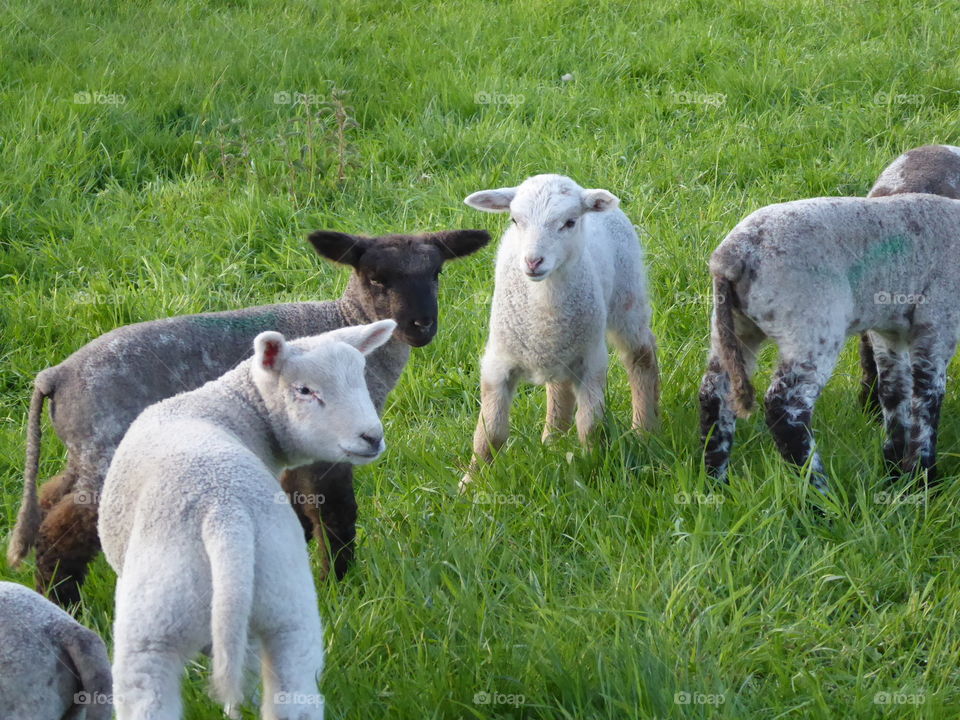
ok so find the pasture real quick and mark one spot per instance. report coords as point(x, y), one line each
point(162, 158)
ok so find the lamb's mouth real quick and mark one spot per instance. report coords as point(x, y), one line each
point(536, 275)
point(365, 455)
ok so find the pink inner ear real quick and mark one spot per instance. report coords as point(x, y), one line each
point(270, 353)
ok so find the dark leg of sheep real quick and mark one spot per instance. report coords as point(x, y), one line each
point(895, 390)
point(869, 384)
point(323, 497)
point(929, 357)
point(717, 420)
point(66, 544)
point(794, 390)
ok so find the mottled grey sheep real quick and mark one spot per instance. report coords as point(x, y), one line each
point(806, 275)
point(931, 169)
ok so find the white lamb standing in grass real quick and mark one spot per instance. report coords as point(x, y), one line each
point(51, 667)
point(206, 549)
point(569, 273)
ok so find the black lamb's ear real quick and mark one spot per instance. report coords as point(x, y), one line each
point(339, 247)
point(454, 244)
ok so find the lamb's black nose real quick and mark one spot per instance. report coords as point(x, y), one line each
point(372, 440)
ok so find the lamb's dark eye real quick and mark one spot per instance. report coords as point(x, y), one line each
point(569, 223)
point(513, 220)
point(378, 282)
point(304, 390)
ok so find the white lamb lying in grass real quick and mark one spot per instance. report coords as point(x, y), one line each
point(51, 667)
point(206, 547)
point(569, 274)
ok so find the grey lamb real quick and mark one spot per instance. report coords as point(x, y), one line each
point(806, 275)
point(51, 667)
point(931, 169)
point(101, 388)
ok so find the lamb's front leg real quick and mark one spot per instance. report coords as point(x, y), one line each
point(589, 392)
point(498, 383)
point(561, 404)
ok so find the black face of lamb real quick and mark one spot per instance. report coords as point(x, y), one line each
point(397, 276)
point(717, 421)
point(789, 413)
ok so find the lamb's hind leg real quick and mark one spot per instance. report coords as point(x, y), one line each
point(497, 387)
point(717, 418)
point(67, 539)
point(929, 353)
point(794, 390)
point(561, 404)
point(640, 360)
point(147, 665)
point(894, 386)
point(292, 660)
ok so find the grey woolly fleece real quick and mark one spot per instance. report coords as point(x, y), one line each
point(49, 662)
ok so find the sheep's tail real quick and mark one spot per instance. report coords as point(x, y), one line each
point(729, 347)
point(228, 537)
point(28, 520)
point(89, 657)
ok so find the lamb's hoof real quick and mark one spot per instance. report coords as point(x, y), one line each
point(465, 482)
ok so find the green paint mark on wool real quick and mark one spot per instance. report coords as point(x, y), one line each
point(244, 323)
point(893, 247)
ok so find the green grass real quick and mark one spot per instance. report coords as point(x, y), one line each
point(587, 586)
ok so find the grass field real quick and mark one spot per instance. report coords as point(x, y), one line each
point(169, 157)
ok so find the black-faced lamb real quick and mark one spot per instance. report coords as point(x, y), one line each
point(207, 550)
point(51, 667)
point(808, 274)
point(569, 273)
point(931, 169)
point(98, 391)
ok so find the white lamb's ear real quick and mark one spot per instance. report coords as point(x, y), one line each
point(366, 338)
point(270, 350)
point(492, 200)
point(599, 200)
